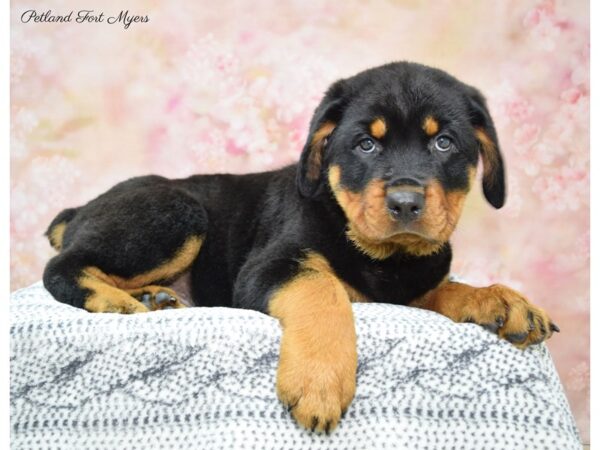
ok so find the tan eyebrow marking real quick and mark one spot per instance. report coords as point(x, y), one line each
point(430, 126)
point(378, 128)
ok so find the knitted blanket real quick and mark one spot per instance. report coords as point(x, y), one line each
point(204, 378)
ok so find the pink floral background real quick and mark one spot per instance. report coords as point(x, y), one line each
point(231, 85)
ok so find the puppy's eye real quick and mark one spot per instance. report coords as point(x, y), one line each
point(366, 145)
point(443, 143)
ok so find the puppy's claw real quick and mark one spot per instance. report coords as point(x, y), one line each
point(315, 422)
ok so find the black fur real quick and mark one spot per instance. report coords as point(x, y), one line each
point(258, 227)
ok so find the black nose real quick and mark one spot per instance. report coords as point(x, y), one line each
point(405, 205)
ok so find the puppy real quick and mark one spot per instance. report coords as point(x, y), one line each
point(366, 214)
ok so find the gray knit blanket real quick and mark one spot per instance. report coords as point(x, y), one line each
point(203, 378)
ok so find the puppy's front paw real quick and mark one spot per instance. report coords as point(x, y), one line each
point(506, 312)
point(316, 392)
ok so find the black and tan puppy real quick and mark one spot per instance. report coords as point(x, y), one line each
point(365, 215)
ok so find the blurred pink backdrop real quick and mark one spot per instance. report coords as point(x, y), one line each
point(231, 85)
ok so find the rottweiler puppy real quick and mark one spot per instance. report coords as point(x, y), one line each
point(366, 214)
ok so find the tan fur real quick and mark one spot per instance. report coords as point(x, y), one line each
point(378, 128)
point(489, 156)
point(317, 366)
point(430, 126)
point(365, 210)
point(373, 231)
point(463, 303)
point(409, 243)
point(442, 211)
point(99, 275)
point(168, 270)
point(56, 235)
point(317, 145)
point(107, 298)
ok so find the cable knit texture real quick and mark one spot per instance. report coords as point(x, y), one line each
point(205, 378)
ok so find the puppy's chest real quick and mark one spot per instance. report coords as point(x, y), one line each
point(380, 284)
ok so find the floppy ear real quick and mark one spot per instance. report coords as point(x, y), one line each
point(493, 166)
point(324, 120)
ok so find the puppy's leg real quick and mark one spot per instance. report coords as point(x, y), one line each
point(316, 378)
point(103, 295)
point(72, 281)
point(67, 281)
point(118, 251)
point(497, 308)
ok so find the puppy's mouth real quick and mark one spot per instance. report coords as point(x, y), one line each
point(382, 245)
point(408, 232)
point(400, 233)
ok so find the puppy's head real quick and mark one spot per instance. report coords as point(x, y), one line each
point(398, 146)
